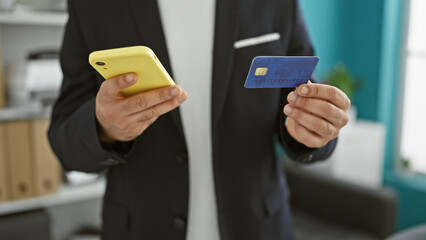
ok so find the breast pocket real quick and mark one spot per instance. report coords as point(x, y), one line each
point(260, 45)
point(248, 48)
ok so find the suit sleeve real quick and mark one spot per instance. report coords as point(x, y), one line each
point(300, 45)
point(73, 131)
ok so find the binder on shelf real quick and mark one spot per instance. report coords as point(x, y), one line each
point(46, 168)
point(19, 159)
point(3, 166)
point(2, 85)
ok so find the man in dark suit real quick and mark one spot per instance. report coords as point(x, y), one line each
point(141, 141)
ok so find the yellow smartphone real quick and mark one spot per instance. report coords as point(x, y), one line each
point(140, 60)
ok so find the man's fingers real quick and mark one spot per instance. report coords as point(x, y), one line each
point(319, 107)
point(317, 113)
point(112, 87)
point(309, 138)
point(138, 128)
point(312, 122)
point(326, 92)
point(159, 109)
point(148, 99)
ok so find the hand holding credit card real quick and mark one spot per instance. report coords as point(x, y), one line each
point(315, 112)
point(280, 72)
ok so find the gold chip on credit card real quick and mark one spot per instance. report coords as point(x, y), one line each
point(261, 71)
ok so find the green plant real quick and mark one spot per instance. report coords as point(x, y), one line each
point(341, 78)
point(405, 163)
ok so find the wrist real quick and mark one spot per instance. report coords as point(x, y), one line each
point(105, 138)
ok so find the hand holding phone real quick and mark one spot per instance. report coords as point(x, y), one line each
point(137, 91)
point(140, 60)
point(125, 118)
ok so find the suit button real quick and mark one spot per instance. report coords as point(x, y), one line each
point(308, 158)
point(181, 158)
point(109, 162)
point(179, 222)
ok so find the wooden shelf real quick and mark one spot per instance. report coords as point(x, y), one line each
point(26, 16)
point(33, 110)
point(66, 195)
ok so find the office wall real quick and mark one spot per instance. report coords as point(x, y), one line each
point(349, 31)
point(411, 188)
point(367, 36)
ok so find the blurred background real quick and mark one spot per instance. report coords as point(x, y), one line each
point(373, 186)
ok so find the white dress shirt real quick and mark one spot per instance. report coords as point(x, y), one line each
point(189, 30)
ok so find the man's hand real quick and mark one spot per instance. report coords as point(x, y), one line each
point(123, 119)
point(316, 113)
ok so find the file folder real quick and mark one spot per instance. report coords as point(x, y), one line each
point(2, 85)
point(3, 166)
point(46, 168)
point(19, 161)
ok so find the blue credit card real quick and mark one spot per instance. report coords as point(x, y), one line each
point(280, 72)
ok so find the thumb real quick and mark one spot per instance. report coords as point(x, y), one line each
point(301, 85)
point(113, 86)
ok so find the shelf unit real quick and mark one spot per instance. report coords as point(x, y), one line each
point(24, 16)
point(66, 195)
point(22, 30)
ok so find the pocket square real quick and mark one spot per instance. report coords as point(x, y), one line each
point(270, 37)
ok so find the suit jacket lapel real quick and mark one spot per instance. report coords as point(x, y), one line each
point(226, 29)
point(147, 17)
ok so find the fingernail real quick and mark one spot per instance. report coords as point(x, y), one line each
point(129, 77)
point(174, 92)
point(182, 97)
point(304, 90)
point(292, 97)
point(288, 109)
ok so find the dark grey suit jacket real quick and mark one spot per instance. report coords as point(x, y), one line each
point(147, 190)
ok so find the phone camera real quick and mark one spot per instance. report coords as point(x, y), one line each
point(100, 63)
